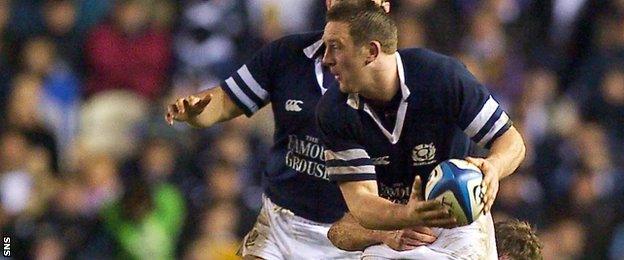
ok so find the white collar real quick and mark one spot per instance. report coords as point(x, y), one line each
point(354, 101)
point(311, 50)
point(404, 89)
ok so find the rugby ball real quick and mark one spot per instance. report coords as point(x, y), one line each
point(457, 183)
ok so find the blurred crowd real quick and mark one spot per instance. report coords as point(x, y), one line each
point(89, 169)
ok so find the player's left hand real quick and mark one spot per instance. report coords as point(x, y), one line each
point(491, 177)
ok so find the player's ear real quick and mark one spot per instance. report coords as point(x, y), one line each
point(373, 51)
point(328, 3)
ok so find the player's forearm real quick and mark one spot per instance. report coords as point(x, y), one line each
point(221, 108)
point(507, 152)
point(347, 234)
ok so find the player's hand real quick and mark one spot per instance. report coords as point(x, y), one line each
point(491, 177)
point(186, 108)
point(410, 238)
point(430, 213)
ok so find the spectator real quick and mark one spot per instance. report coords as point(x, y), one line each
point(112, 115)
point(607, 107)
point(274, 19)
point(411, 30)
point(443, 25)
point(128, 53)
point(564, 240)
point(67, 217)
point(60, 18)
point(597, 212)
point(217, 239)
point(49, 247)
point(488, 44)
point(16, 181)
point(146, 221)
point(26, 187)
point(92, 12)
point(59, 92)
point(24, 113)
point(534, 108)
point(5, 70)
point(522, 197)
point(100, 176)
point(212, 36)
point(616, 248)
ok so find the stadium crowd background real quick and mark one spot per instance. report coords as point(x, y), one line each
point(89, 169)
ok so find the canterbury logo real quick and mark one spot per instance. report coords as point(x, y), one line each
point(293, 105)
point(385, 160)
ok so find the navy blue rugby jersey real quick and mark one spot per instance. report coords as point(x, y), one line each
point(288, 73)
point(441, 111)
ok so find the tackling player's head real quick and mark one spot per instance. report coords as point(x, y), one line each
point(384, 3)
point(516, 239)
point(356, 35)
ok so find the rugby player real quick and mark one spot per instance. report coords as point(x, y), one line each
point(393, 116)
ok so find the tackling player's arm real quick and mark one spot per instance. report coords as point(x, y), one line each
point(347, 234)
point(203, 109)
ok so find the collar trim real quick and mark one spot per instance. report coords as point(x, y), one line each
point(312, 50)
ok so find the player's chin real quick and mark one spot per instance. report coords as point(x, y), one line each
point(344, 88)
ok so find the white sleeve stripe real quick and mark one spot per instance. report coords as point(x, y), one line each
point(502, 120)
point(481, 119)
point(244, 73)
point(241, 95)
point(346, 155)
point(351, 170)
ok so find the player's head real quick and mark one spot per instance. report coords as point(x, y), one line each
point(516, 240)
point(356, 35)
point(384, 3)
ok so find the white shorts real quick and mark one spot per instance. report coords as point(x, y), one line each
point(474, 241)
point(280, 234)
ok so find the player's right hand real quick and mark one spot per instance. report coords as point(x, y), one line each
point(430, 213)
point(186, 108)
point(410, 238)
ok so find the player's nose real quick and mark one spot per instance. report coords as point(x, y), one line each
point(328, 60)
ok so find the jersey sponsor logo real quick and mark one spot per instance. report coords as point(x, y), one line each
point(397, 193)
point(304, 156)
point(384, 160)
point(293, 105)
point(424, 154)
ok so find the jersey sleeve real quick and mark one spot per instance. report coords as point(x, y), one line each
point(249, 86)
point(345, 158)
point(475, 111)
